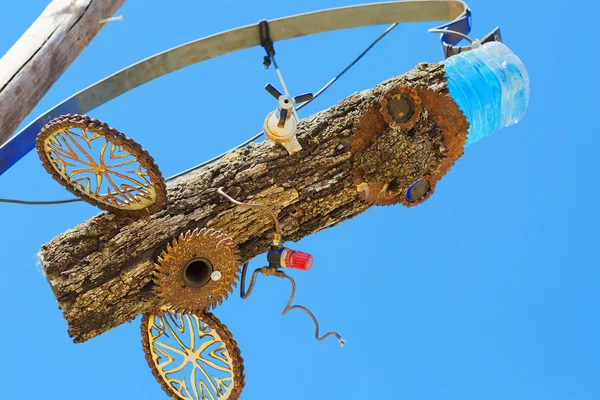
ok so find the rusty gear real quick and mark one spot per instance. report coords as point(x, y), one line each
point(405, 119)
point(197, 270)
point(377, 193)
point(214, 328)
point(49, 147)
point(453, 125)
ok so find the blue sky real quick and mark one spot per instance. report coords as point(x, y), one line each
point(489, 290)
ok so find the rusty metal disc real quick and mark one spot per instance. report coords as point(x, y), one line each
point(448, 118)
point(101, 166)
point(192, 356)
point(401, 107)
point(197, 270)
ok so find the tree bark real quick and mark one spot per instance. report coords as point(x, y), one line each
point(44, 52)
point(101, 270)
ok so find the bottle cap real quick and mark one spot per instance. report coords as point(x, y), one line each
point(298, 260)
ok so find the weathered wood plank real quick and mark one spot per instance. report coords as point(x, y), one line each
point(44, 52)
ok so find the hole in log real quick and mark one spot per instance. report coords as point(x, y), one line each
point(401, 108)
point(296, 212)
point(197, 272)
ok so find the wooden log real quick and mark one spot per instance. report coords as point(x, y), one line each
point(101, 270)
point(44, 52)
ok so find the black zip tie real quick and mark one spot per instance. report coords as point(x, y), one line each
point(266, 42)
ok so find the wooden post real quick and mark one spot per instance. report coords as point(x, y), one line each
point(44, 52)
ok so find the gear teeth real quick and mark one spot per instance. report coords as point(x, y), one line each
point(223, 241)
point(211, 324)
point(449, 118)
point(48, 135)
point(217, 248)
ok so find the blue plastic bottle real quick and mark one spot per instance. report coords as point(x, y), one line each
point(490, 85)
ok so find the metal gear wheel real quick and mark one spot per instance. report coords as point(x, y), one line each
point(449, 118)
point(101, 166)
point(196, 271)
point(401, 107)
point(192, 356)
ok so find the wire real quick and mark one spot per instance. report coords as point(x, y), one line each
point(216, 158)
point(455, 33)
point(243, 294)
point(249, 205)
point(280, 76)
point(36, 203)
point(289, 307)
point(285, 89)
point(239, 146)
point(271, 271)
point(357, 59)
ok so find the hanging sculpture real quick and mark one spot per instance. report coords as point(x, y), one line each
point(190, 352)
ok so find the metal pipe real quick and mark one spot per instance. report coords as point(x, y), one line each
point(248, 205)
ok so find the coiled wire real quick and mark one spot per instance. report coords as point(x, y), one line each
point(244, 294)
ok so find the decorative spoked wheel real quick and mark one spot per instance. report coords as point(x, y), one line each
point(101, 165)
point(192, 356)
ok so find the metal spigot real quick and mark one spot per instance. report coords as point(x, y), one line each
point(280, 125)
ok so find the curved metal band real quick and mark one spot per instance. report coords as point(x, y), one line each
point(226, 42)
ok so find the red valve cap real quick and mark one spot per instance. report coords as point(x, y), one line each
point(298, 260)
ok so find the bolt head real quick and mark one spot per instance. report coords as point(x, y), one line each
point(216, 275)
point(286, 102)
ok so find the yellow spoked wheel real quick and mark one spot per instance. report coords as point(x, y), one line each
point(101, 165)
point(192, 356)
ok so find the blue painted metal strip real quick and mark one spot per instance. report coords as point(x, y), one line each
point(19, 145)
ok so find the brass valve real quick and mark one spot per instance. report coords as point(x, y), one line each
point(280, 125)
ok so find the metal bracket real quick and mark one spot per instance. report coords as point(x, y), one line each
point(266, 42)
point(462, 25)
